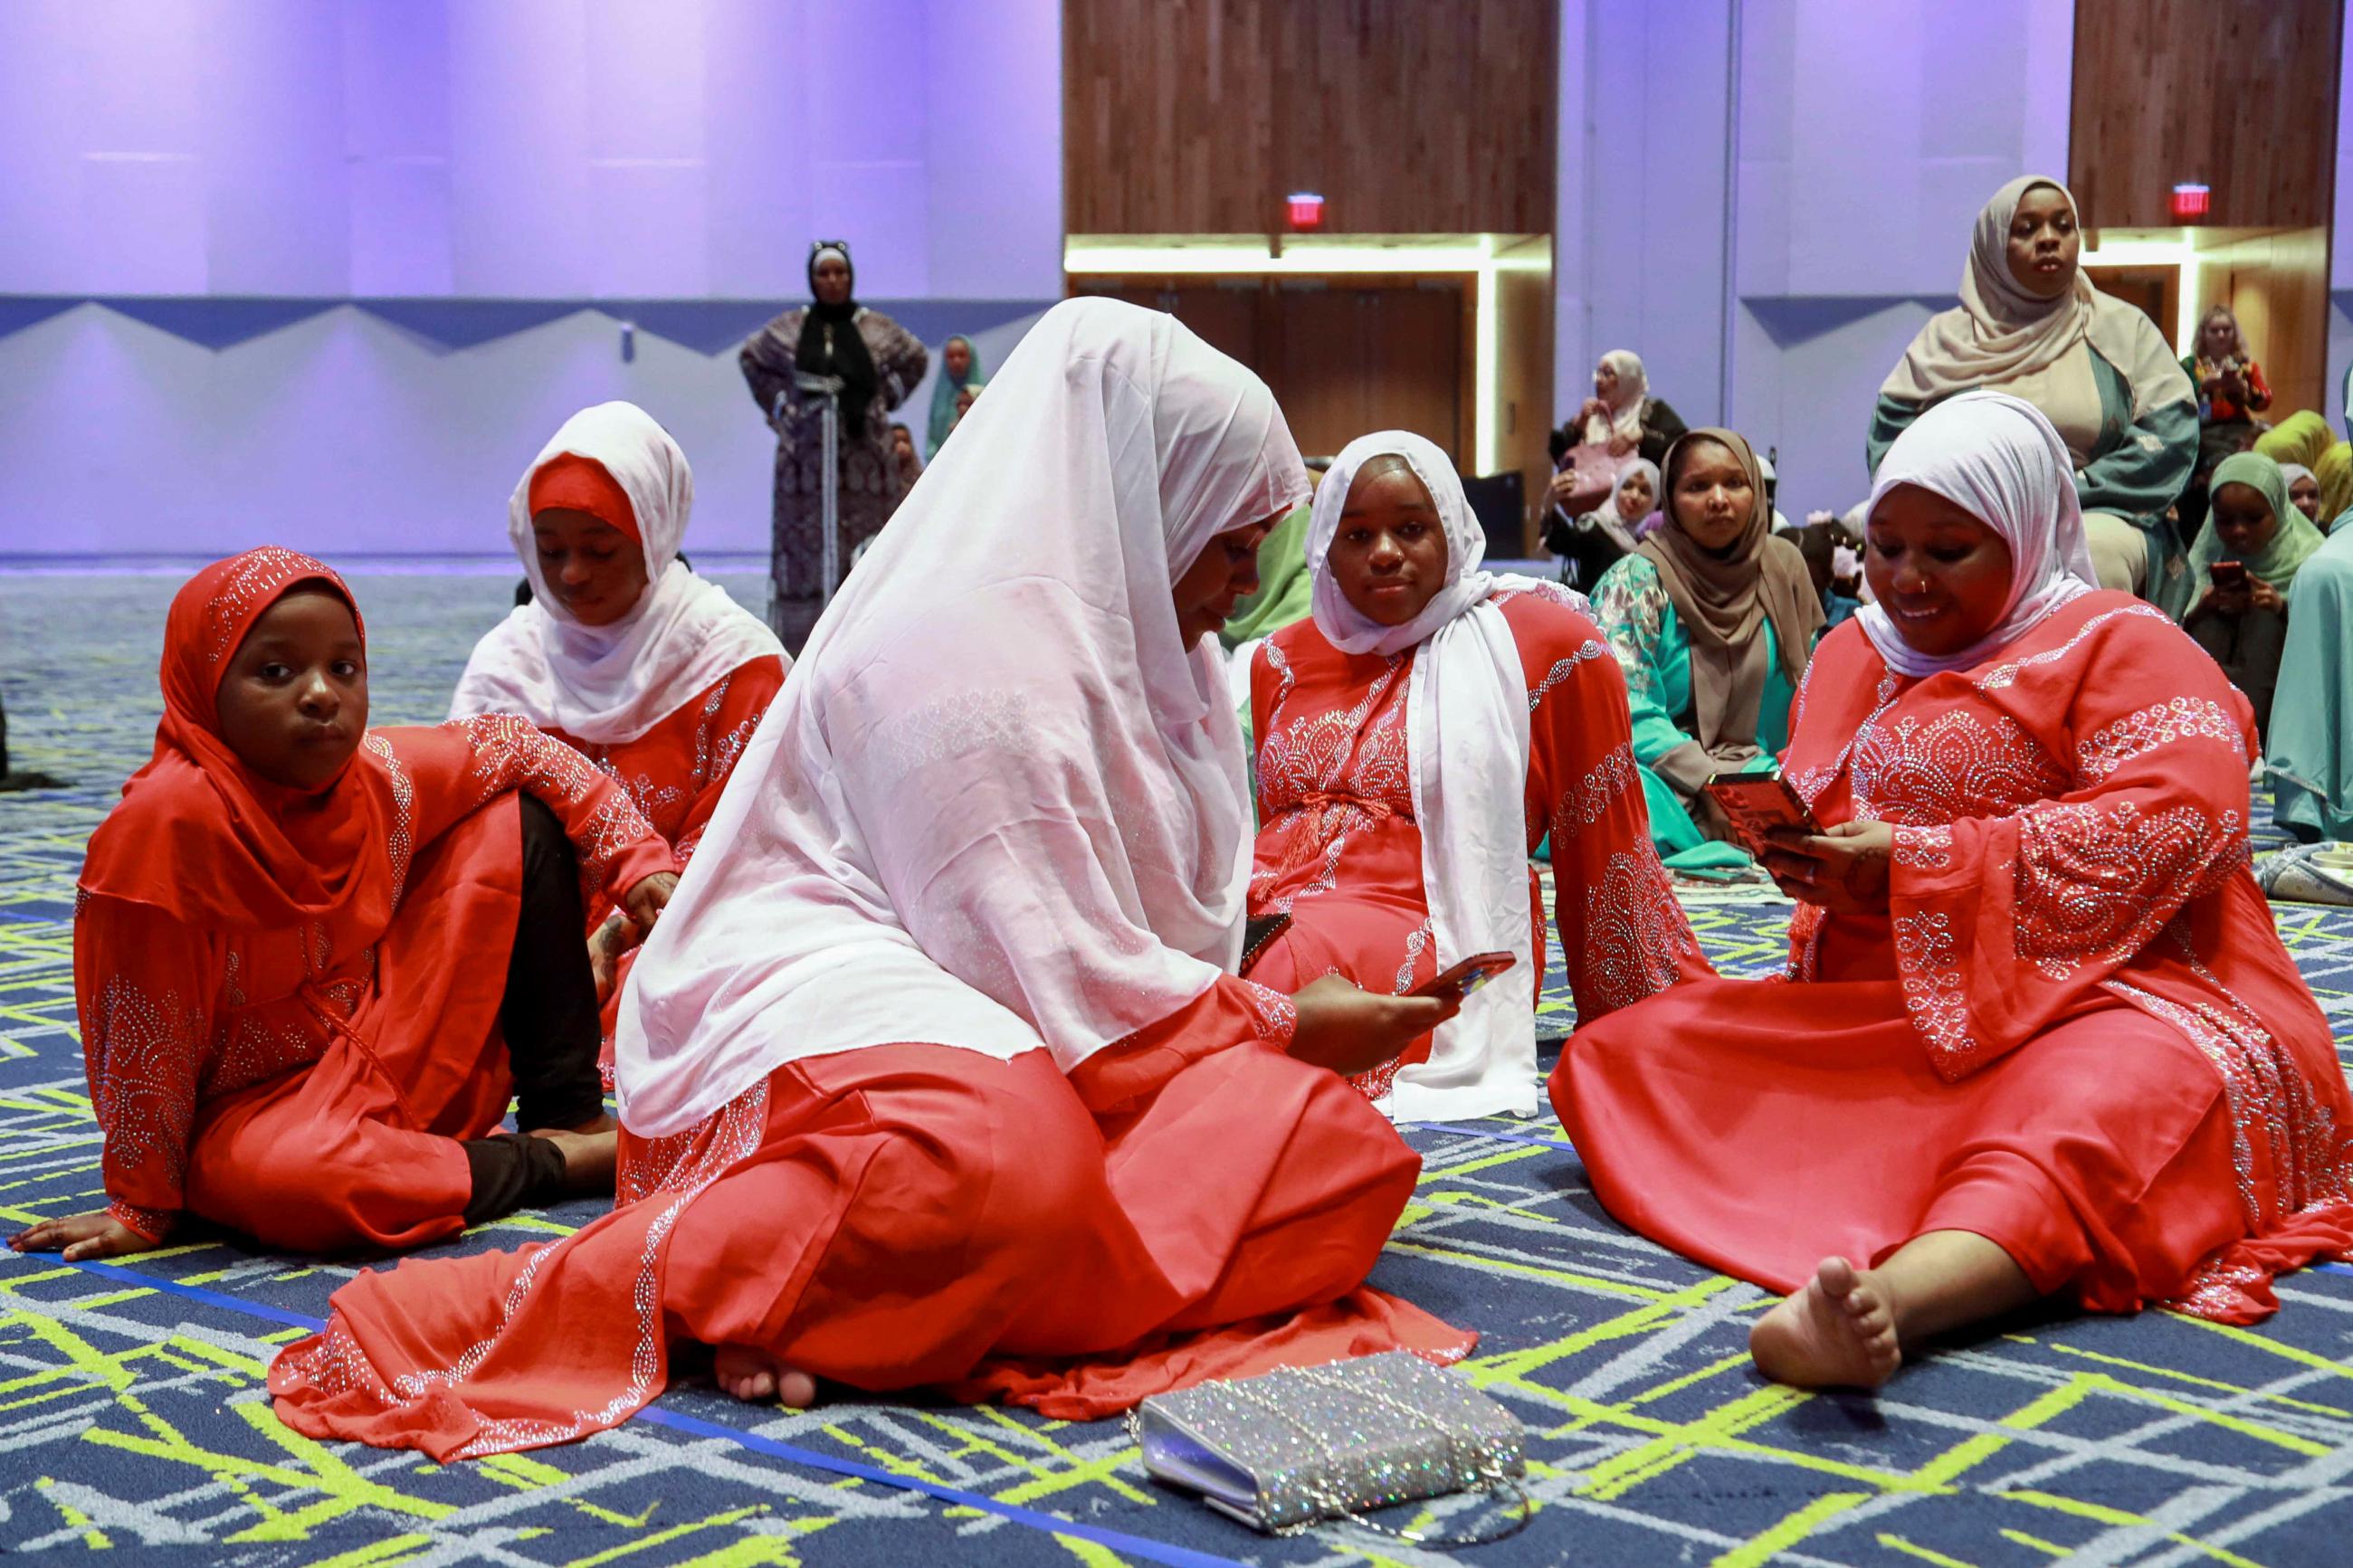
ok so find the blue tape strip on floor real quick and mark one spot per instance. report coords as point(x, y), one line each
point(1137, 1546)
point(1498, 1137)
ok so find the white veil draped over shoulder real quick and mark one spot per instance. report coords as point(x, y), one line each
point(1000, 805)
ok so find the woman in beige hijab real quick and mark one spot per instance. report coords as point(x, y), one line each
point(1712, 619)
point(2029, 323)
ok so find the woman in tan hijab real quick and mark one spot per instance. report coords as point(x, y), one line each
point(2029, 323)
point(1712, 619)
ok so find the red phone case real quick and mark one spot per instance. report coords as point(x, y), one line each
point(1483, 966)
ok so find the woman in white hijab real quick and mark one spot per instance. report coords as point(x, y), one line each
point(2044, 1040)
point(938, 1055)
point(1416, 740)
point(623, 653)
point(2031, 323)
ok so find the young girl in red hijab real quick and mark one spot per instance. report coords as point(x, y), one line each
point(314, 963)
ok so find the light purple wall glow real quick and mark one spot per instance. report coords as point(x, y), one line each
point(558, 149)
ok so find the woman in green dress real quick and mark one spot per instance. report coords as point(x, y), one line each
point(2029, 323)
point(1712, 619)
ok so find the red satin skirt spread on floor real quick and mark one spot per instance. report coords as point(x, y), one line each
point(420, 1065)
point(906, 1216)
point(1760, 1127)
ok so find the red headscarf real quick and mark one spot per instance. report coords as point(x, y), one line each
point(584, 484)
point(201, 837)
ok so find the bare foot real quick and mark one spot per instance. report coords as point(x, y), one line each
point(590, 1157)
point(753, 1375)
point(1837, 1332)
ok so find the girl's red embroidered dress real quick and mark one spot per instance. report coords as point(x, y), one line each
point(289, 1006)
point(2074, 1031)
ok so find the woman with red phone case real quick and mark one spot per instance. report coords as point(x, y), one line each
point(1417, 738)
point(2039, 1037)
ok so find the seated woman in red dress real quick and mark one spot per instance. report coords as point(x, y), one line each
point(937, 1071)
point(623, 652)
point(1416, 740)
point(2039, 1037)
point(314, 962)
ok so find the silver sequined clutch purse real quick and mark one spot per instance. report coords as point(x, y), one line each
point(1304, 1445)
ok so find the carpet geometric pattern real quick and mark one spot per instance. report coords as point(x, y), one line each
point(132, 1414)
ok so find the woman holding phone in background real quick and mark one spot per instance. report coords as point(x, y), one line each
point(2247, 556)
point(2043, 1039)
point(1416, 738)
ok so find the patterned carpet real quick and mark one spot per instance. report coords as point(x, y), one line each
point(133, 1416)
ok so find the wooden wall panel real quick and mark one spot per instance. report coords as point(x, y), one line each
point(1342, 355)
point(1408, 116)
point(2277, 285)
point(2238, 94)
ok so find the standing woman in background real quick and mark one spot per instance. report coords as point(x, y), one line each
point(960, 363)
point(2029, 323)
point(2231, 386)
point(875, 362)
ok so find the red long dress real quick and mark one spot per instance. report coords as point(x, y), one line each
point(675, 774)
point(307, 1084)
point(914, 1214)
point(1339, 851)
point(2074, 1032)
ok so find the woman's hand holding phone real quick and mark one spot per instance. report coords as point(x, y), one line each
point(1353, 1031)
point(1842, 869)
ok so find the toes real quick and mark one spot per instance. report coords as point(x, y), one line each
point(1835, 1276)
point(797, 1389)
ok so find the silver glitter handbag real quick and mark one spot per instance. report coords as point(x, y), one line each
point(1302, 1445)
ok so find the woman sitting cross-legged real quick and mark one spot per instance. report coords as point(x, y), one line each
point(2043, 1038)
point(1416, 740)
point(937, 1072)
point(314, 962)
point(651, 672)
point(1712, 618)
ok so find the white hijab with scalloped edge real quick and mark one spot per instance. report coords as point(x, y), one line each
point(609, 685)
point(1467, 738)
point(1000, 803)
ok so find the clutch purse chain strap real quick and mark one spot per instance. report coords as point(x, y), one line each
point(1336, 1506)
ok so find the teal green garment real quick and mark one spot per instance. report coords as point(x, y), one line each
point(1654, 652)
point(2137, 471)
point(943, 395)
point(2309, 749)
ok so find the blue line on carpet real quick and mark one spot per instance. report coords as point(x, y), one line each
point(1134, 1545)
point(1498, 1137)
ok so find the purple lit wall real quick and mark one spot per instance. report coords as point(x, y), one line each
point(1863, 138)
point(221, 173)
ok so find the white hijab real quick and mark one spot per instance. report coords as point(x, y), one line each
point(1467, 734)
point(608, 684)
point(1626, 413)
point(1000, 805)
point(1998, 459)
point(1616, 524)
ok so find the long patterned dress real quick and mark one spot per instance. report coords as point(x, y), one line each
point(2074, 1031)
point(870, 486)
point(1340, 851)
point(309, 1085)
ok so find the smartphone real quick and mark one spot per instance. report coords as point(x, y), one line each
point(1466, 976)
point(2228, 574)
point(1758, 804)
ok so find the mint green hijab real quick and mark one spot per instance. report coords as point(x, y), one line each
point(2293, 541)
